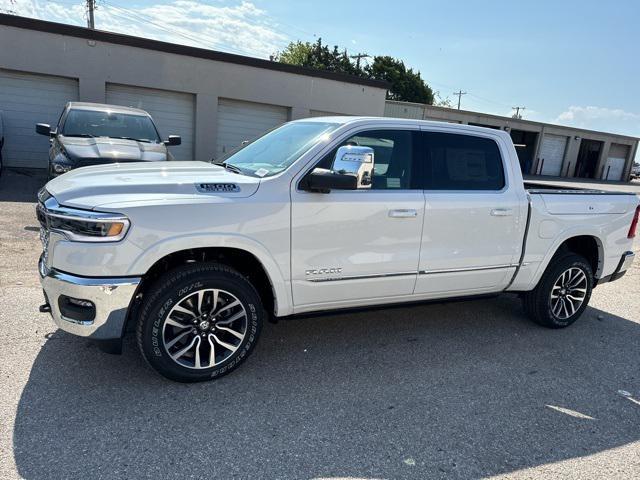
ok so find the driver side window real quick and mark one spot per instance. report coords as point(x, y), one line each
point(393, 157)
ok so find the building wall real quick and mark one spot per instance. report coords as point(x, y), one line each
point(575, 135)
point(96, 63)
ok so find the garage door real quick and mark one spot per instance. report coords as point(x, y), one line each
point(552, 152)
point(614, 166)
point(172, 112)
point(239, 121)
point(27, 99)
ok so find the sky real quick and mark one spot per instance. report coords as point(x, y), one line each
point(568, 62)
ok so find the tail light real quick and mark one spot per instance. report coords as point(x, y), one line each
point(634, 223)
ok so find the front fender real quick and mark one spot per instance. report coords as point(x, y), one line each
point(167, 246)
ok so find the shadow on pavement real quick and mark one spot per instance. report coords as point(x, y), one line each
point(21, 185)
point(454, 390)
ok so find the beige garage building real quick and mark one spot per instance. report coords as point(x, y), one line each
point(543, 149)
point(214, 100)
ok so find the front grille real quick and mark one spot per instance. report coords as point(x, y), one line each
point(41, 215)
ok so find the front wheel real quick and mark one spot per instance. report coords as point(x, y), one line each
point(199, 322)
point(562, 293)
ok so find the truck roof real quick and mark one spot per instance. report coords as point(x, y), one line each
point(343, 120)
point(104, 106)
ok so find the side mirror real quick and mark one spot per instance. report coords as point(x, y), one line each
point(173, 140)
point(355, 160)
point(43, 129)
point(323, 181)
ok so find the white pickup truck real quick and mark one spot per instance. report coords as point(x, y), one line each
point(318, 214)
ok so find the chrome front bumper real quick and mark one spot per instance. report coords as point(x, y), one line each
point(111, 297)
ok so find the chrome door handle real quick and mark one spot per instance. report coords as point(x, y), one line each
point(403, 213)
point(501, 212)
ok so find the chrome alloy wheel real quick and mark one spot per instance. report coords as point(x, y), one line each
point(568, 293)
point(205, 328)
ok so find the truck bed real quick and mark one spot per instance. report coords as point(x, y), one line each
point(550, 188)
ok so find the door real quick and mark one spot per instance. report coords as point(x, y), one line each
point(240, 121)
point(588, 156)
point(552, 154)
point(27, 99)
point(473, 225)
point(173, 113)
point(357, 245)
point(616, 159)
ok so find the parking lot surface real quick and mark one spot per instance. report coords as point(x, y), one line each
point(445, 390)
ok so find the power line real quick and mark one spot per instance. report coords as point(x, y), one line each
point(139, 18)
point(489, 100)
point(459, 95)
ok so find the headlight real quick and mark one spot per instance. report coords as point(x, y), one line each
point(59, 168)
point(83, 229)
point(80, 225)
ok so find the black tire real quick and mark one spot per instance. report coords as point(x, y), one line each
point(181, 285)
point(538, 302)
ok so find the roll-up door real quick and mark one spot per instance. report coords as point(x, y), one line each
point(552, 154)
point(239, 121)
point(172, 112)
point(27, 99)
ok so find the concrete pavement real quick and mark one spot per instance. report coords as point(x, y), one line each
point(459, 390)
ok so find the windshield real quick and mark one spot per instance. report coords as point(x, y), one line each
point(274, 152)
point(95, 123)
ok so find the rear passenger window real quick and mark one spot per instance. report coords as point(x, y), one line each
point(461, 162)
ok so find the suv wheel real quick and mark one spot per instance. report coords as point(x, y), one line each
point(562, 293)
point(199, 322)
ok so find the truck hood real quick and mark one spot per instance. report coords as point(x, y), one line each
point(141, 182)
point(89, 150)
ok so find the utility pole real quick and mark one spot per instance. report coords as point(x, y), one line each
point(459, 95)
point(91, 6)
point(358, 57)
point(517, 114)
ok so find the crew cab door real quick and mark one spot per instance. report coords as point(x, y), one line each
point(350, 247)
point(473, 221)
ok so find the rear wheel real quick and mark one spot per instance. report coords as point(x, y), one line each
point(199, 322)
point(562, 293)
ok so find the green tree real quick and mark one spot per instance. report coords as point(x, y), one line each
point(318, 56)
point(405, 84)
point(296, 53)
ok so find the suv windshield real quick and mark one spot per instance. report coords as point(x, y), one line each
point(95, 123)
point(274, 152)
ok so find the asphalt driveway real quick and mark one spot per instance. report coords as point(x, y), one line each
point(460, 390)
